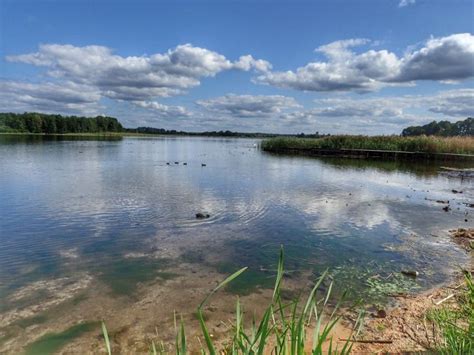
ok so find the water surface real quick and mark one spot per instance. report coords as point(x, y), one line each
point(85, 221)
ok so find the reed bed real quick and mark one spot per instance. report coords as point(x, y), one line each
point(426, 144)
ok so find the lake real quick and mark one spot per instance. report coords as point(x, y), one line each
point(94, 229)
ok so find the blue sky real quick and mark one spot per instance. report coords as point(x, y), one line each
point(278, 66)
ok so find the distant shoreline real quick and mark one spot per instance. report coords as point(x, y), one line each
point(374, 154)
point(127, 134)
point(378, 147)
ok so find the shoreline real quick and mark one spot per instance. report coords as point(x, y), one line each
point(372, 154)
point(405, 327)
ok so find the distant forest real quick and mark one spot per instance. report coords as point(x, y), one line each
point(151, 130)
point(31, 122)
point(442, 128)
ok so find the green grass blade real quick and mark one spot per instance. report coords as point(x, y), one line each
point(106, 338)
point(222, 284)
point(153, 348)
point(207, 337)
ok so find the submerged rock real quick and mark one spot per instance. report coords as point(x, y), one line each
point(411, 273)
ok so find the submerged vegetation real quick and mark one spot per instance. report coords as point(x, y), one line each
point(52, 342)
point(302, 326)
point(284, 328)
point(425, 144)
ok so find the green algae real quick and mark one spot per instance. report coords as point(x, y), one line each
point(52, 342)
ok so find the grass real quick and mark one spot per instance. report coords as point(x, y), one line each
point(284, 328)
point(456, 324)
point(427, 144)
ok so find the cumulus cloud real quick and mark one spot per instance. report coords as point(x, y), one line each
point(247, 62)
point(164, 111)
point(448, 58)
point(376, 107)
point(248, 105)
point(404, 3)
point(454, 103)
point(135, 77)
point(65, 97)
point(382, 114)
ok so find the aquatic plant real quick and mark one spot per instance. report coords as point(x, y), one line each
point(284, 328)
point(428, 144)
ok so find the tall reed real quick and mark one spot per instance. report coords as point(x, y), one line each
point(428, 144)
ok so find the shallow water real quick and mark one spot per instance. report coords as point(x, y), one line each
point(99, 219)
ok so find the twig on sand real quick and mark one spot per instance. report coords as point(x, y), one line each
point(371, 341)
point(444, 299)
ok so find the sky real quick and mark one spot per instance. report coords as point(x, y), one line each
point(354, 66)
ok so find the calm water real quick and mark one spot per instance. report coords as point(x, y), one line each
point(115, 211)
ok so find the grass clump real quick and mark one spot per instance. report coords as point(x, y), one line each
point(456, 324)
point(284, 328)
point(426, 144)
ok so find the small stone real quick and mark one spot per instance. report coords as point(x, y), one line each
point(381, 313)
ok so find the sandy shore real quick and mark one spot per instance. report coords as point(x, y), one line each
point(405, 328)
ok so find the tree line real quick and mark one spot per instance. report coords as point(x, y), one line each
point(32, 122)
point(152, 130)
point(442, 128)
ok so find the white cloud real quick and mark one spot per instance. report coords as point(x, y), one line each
point(135, 78)
point(454, 103)
point(448, 58)
point(164, 111)
point(404, 3)
point(65, 97)
point(381, 114)
point(247, 62)
point(248, 105)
